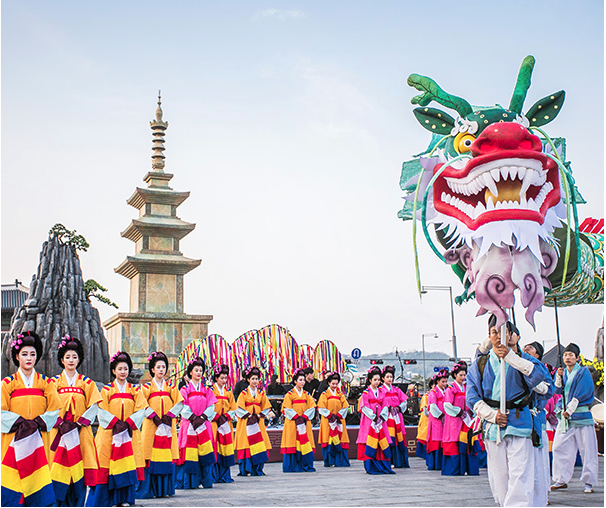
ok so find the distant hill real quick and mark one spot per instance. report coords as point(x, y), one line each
point(432, 359)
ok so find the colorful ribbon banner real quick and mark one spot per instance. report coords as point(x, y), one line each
point(272, 349)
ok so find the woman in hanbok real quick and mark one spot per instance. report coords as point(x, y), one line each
point(196, 442)
point(333, 438)
point(551, 417)
point(459, 446)
point(373, 437)
point(421, 450)
point(252, 441)
point(297, 444)
point(395, 400)
point(30, 408)
point(118, 439)
point(225, 409)
point(159, 431)
point(435, 406)
point(74, 463)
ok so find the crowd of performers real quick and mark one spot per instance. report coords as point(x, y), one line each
point(50, 456)
point(547, 422)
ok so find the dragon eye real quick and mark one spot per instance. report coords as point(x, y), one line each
point(463, 141)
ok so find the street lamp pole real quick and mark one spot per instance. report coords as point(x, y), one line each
point(423, 343)
point(425, 289)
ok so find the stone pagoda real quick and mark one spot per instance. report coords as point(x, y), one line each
point(156, 321)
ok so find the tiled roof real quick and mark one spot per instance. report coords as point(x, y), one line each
point(12, 296)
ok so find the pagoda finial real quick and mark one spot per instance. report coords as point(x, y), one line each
point(158, 127)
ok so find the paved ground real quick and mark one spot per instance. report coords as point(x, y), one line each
point(353, 487)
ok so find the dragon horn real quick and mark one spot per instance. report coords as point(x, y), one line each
point(432, 91)
point(522, 85)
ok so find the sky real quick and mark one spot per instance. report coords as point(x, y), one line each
point(288, 123)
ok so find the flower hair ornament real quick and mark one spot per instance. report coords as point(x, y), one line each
point(116, 355)
point(16, 344)
point(152, 356)
point(65, 340)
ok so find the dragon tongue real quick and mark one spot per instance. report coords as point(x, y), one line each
point(508, 190)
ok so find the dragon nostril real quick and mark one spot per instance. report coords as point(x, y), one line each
point(526, 144)
point(505, 136)
point(483, 146)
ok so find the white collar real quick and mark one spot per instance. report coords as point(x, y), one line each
point(389, 387)
point(220, 388)
point(253, 391)
point(27, 381)
point(376, 392)
point(442, 391)
point(197, 387)
point(300, 393)
point(333, 393)
point(71, 381)
point(122, 388)
point(460, 386)
point(160, 387)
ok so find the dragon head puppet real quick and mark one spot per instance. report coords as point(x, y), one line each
point(496, 192)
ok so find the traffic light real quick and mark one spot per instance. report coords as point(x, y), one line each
point(410, 362)
point(376, 362)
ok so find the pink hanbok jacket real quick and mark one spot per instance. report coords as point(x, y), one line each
point(376, 404)
point(198, 402)
point(435, 425)
point(453, 424)
point(393, 399)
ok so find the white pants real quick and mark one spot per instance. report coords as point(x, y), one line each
point(541, 478)
point(565, 446)
point(511, 471)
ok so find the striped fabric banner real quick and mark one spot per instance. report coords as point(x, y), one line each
point(161, 460)
point(199, 449)
point(225, 444)
point(122, 469)
point(302, 444)
point(335, 434)
point(396, 432)
point(25, 473)
point(68, 465)
point(377, 443)
point(258, 450)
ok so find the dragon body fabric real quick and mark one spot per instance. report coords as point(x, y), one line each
point(502, 199)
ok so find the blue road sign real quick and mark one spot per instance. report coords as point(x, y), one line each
point(356, 353)
point(438, 369)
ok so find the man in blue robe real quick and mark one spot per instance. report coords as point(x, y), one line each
point(575, 431)
point(511, 463)
point(539, 419)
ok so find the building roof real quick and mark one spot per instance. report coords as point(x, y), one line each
point(13, 295)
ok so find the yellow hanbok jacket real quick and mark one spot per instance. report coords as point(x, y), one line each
point(253, 405)
point(160, 401)
point(122, 406)
point(78, 399)
point(29, 403)
point(423, 421)
point(224, 405)
point(334, 403)
point(299, 404)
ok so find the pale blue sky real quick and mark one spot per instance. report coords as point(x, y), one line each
point(289, 122)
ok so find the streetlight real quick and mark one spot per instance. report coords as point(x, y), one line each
point(424, 290)
point(435, 336)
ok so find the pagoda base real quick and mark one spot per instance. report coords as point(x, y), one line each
point(141, 333)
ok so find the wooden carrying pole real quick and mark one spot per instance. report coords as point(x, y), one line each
point(503, 399)
point(557, 323)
